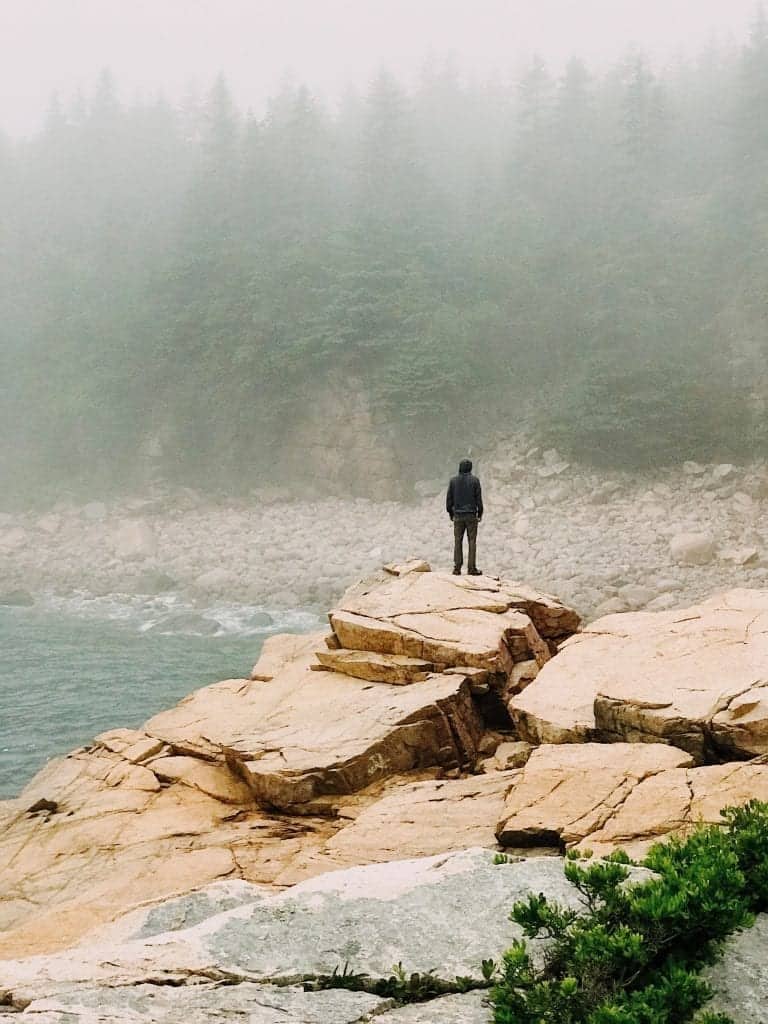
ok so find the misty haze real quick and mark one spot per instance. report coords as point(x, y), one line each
point(270, 274)
point(336, 297)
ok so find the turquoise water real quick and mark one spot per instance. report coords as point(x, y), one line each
point(71, 670)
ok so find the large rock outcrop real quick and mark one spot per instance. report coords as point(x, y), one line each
point(419, 819)
point(693, 678)
point(603, 797)
point(252, 778)
point(564, 793)
point(96, 833)
point(288, 740)
point(450, 620)
point(440, 713)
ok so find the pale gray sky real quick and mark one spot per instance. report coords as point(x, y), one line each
point(150, 45)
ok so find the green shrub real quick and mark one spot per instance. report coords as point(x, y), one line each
point(635, 955)
point(748, 829)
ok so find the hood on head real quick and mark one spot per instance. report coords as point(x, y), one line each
point(465, 466)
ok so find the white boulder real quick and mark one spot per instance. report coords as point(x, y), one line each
point(13, 539)
point(135, 540)
point(95, 511)
point(740, 556)
point(723, 472)
point(692, 548)
point(215, 581)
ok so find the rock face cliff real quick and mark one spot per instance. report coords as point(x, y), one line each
point(438, 714)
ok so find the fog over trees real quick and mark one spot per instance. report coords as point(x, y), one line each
point(584, 255)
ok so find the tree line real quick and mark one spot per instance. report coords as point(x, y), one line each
point(583, 256)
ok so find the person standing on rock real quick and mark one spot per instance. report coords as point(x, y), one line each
point(464, 504)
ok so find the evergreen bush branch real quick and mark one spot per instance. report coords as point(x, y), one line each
point(635, 954)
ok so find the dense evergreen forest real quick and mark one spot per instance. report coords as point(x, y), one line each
point(582, 255)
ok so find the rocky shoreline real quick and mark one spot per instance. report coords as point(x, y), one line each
point(341, 807)
point(603, 542)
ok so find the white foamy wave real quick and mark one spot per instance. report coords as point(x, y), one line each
point(118, 607)
point(248, 620)
point(175, 615)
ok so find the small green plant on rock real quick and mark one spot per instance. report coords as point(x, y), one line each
point(404, 988)
point(634, 955)
point(489, 969)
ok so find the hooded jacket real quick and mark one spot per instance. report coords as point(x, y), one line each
point(464, 497)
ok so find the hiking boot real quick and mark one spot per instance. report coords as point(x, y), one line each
point(475, 572)
point(457, 572)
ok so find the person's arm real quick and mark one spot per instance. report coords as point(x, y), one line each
point(478, 499)
point(449, 500)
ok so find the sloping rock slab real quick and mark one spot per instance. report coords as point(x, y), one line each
point(418, 820)
point(557, 706)
point(278, 651)
point(452, 620)
point(306, 734)
point(396, 669)
point(368, 917)
point(676, 801)
point(693, 678)
point(740, 976)
point(469, 1008)
point(97, 833)
point(199, 1004)
point(256, 1004)
point(379, 915)
point(108, 837)
point(567, 792)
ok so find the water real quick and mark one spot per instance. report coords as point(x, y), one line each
point(71, 668)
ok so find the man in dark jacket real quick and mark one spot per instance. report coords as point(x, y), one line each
point(464, 504)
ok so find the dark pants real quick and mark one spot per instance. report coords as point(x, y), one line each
point(461, 524)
